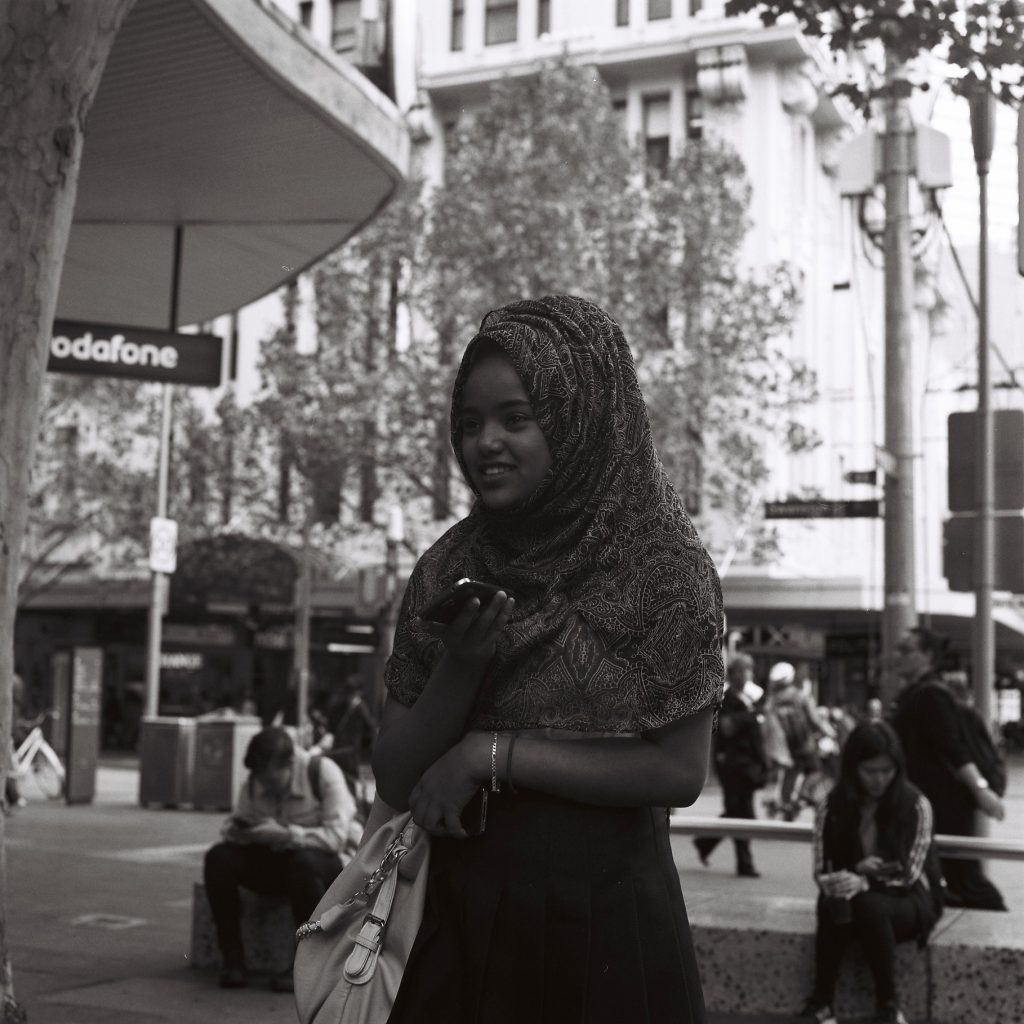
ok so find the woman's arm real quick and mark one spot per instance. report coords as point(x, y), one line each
point(412, 739)
point(664, 768)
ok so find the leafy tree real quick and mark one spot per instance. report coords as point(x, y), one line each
point(982, 40)
point(527, 208)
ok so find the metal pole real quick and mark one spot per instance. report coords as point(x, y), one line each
point(303, 617)
point(899, 613)
point(982, 135)
point(158, 592)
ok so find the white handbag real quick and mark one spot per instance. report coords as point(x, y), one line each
point(351, 955)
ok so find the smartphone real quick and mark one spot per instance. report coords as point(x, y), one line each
point(890, 869)
point(474, 814)
point(446, 607)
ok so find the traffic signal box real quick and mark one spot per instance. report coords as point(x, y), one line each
point(958, 531)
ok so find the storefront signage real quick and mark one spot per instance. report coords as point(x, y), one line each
point(821, 509)
point(106, 350)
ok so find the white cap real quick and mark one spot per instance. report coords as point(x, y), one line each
point(782, 672)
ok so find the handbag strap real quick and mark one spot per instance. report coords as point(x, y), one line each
point(362, 960)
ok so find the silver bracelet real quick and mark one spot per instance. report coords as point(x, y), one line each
point(495, 785)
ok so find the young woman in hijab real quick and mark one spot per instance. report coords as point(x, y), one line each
point(581, 696)
point(878, 877)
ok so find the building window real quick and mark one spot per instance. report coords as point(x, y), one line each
point(306, 13)
point(344, 22)
point(659, 9)
point(656, 134)
point(619, 109)
point(500, 22)
point(543, 16)
point(694, 115)
point(458, 20)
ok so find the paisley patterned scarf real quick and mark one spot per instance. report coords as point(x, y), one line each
point(618, 617)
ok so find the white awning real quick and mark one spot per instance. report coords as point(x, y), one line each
point(227, 119)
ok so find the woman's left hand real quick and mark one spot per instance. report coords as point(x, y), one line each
point(444, 789)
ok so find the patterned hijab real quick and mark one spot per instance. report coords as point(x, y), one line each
point(618, 618)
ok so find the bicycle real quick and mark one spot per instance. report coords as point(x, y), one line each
point(36, 758)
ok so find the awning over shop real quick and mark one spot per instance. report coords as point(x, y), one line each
point(227, 119)
point(848, 605)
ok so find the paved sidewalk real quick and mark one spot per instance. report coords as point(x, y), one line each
point(99, 905)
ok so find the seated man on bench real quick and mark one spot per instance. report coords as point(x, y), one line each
point(293, 829)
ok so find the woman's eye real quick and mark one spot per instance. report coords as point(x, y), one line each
point(517, 419)
point(468, 425)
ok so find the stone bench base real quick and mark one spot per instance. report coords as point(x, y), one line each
point(268, 932)
point(756, 956)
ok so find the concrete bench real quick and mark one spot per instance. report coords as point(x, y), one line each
point(268, 932)
point(756, 956)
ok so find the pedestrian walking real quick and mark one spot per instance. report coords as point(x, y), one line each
point(876, 872)
point(740, 761)
point(803, 726)
point(293, 829)
point(580, 697)
point(940, 762)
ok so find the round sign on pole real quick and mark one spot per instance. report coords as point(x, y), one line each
point(163, 545)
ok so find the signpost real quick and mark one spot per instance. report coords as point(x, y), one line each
point(819, 508)
point(83, 734)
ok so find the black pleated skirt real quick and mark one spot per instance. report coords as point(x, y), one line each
point(560, 913)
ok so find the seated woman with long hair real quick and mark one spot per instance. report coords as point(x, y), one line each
point(875, 868)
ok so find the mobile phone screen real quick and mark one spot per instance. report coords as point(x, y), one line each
point(445, 608)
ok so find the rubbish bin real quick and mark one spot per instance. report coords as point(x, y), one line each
point(166, 749)
point(221, 741)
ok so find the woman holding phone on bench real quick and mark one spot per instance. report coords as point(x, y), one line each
point(580, 695)
point(878, 876)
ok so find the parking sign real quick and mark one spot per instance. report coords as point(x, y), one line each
point(163, 545)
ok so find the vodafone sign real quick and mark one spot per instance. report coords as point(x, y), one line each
point(102, 350)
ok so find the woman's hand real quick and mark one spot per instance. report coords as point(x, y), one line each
point(472, 637)
point(842, 883)
point(437, 800)
point(869, 866)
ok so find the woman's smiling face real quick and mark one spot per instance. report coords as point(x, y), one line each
point(503, 448)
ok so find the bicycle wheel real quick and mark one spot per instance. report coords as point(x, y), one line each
point(49, 781)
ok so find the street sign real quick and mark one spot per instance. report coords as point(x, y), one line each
point(163, 545)
point(818, 508)
point(106, 350)
point(885, 460)
point(1007, 460)
point(861, 476)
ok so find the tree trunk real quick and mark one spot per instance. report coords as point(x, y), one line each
point(52, 56)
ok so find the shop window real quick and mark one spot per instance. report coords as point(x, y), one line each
point(458, 22)
point(500, 21)
point(656, 135)
point(344, 23)
point(621, 12)
point(543, 16)
point(694, 115)
point(658, 10)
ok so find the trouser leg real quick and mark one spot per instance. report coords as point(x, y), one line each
point(830, 942)
point(307, 876)
point(739, 803)
point(881, 921)
point(226, 867)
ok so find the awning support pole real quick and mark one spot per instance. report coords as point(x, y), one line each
point(158, 595)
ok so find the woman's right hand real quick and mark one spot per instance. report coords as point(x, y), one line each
point(472, 637)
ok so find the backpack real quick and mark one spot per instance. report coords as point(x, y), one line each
point(796, 728)
point(362, 804)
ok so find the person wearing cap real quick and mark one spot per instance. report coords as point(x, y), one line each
point(739, 759)
point(803, 726)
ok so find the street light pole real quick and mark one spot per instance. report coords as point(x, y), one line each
point(983, 112)
point(899, 612)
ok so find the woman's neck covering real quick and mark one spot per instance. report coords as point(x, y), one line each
point(618, 617)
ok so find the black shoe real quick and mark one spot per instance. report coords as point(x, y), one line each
point(701, 852)
point(890, 1013)
point(819, 1013)
point(234, 977)
point(748, 872)
point(283, 981)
